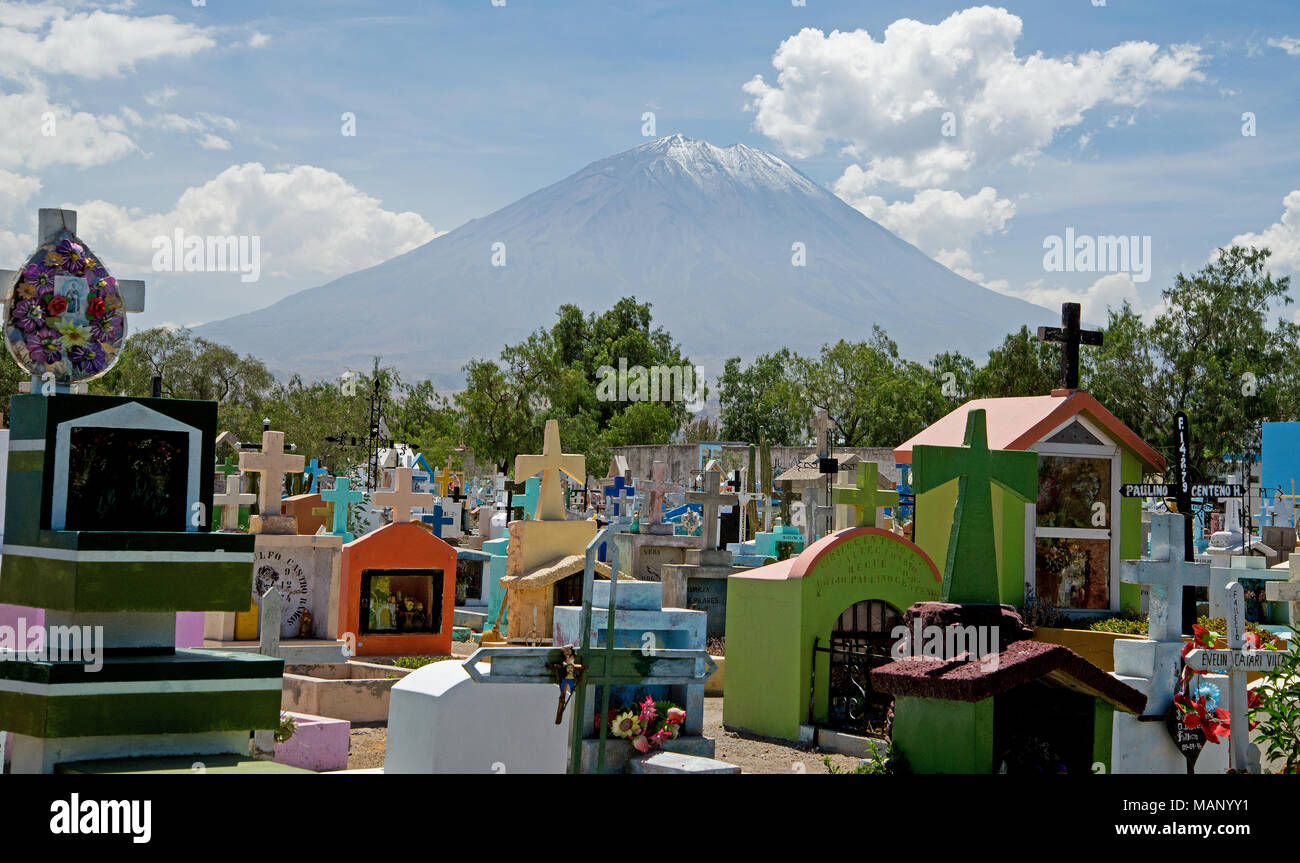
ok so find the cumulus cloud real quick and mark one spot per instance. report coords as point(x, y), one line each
point(80, 139)
point(1282, 237)
point(886, 100)
point(310, 222)
point(1109, 291)
point(1289, 44)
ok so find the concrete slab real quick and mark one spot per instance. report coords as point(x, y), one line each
point(676, 762)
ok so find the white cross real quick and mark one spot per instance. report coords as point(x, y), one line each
point(657, 486)
point(1287, 591)
point(710, 500)
point(767, 508)
point(401, 498)
point(823, 423)
point(1167, 573)
point(1236, 662)
point(272, 463)
point(49, 222)
point(552, 462)
point(231, 500)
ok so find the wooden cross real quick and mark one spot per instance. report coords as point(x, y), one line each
point(272, 462)
point(970, 571)
point(402, 499)
point(551, 463)
point(618, 492)
point(1236, 662)
point(231, 500)
point(340, 498)
point(315, 471)
point(823, 423)
point(710, 500)
point(865, 498)
point(1070, 336)
point(1167, 573)
point(657, 486)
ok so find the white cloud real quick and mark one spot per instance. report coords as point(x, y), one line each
point(214, 142)
point(1109, 291)
point(200, 126)
point(886, 99)
point(310, 222)
point(1289, 44)
point(160, 97)
point(80, 139)
point(1282, 237)
point(257, 40)
point(15, 191)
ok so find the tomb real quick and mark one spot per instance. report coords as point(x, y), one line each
point(701, 582)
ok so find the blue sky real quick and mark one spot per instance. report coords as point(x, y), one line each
point(226, 118)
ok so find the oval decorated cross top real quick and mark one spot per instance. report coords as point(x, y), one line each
point(63, 313)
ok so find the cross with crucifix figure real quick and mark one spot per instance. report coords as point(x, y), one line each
point(64, 313)
point(401, 498)
point(656, 487)
point(1070, 336)
point(865, 497)
point(1167, 573)
point(551, 463)
point(1237, 662)
point(272, 463)
point(231, 500)
point(970, 572)
point(710, 501)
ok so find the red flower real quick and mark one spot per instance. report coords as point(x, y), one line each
point(57, 306)
point(95, 307)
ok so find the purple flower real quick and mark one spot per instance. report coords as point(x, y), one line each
point(39, 276)
point(99, 281)
point(74, 256)
point(44, 346)
point(107, 328)
point(88, 358)
point(27, 315)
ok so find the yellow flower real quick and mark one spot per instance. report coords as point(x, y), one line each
point(74, 335)
point(25, 289)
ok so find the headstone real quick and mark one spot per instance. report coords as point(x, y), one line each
point(340, 498)
point(401, 498)
point(710, 500)
point(231, 500)
point(272, 463)
point(865, 497)
point(270, 610)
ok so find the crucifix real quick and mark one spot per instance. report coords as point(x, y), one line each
point(64, 287)
point(865, 497)
point(272, 462)
point(1070, 336)
point(339, 498)
point(231, 500)
point(1236, 662)
point(1168, 573)
point(970, 572)
point(551, 463)
point(401, 498)
point(710, 501)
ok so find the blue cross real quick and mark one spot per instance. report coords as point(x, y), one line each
point(341, 496)
point(616, 493)
point(315, 471)
point(437, 520)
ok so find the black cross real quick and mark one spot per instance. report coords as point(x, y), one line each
point(1070, 336)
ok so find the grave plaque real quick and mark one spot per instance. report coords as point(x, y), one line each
point(710, 596)
point(1190, 741)
point(276, 569)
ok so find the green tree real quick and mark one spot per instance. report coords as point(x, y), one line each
point(763, 399)
point(1020, 366)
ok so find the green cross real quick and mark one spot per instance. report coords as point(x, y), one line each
point(970, 571)
point(228, 467)
point(865, 497)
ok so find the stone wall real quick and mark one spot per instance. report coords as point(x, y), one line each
point(684, 459)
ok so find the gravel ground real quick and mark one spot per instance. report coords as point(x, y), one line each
point(752, 754)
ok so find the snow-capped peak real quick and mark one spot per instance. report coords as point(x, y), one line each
point(709, 166)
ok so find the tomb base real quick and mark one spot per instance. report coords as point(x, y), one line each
point(702, 588)
point(279, 525)
point(620, 754)
point(644, 555)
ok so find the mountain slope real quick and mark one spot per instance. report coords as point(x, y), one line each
point(703, 233)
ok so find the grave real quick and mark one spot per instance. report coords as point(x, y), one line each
point(1288, 592)
point(106, 526)
point(803, 634)
point(701, 582)
point(644, 554)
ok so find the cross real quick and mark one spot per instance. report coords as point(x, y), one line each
point(526, 500)
point(657, 486)
point(1287, 591)
point(811, 498)
point(315, 471)
point(1070, 336)
point(1168, 573)
point(865, 497)
point(52, 227)
point(402, 498)
point(1237, 662)
point(710, 500)
point(551, 463)
point(438, 520)
point(231, 500)
point(227, 467)
point(823, 423)
point(767, 509)
point(272, 462)
point(341, 497)
point(270, 611)
point(619, 490)
point(970, 571)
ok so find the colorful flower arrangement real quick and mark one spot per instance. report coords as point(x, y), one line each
point(648, 724)
point(48, 326)
point(1200, 709)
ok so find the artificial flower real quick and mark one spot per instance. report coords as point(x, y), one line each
point(89, 358)
point(72, 255)
point(676, 716)
point(27, 315)
point(642, 743)
point(625, 725)
point(74, 334)
point(56, 306)
point(44, 346)
point(648, 712)
point(95, 307)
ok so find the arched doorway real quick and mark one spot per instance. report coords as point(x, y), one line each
point(860, 641)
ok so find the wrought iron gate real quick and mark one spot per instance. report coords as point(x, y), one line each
point(861, 641)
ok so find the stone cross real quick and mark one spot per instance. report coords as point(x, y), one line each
point(865, 498)
point(823, 423)
point(766, 510)
point(270, 608)
point(402, 499)
point(272, 462)
point(315, 471)
point(621, 490)
point(551, 463)
point(231, 500)
point(1167, 573)
point(657, 486)
point(1287, 591)
point(710, 500)
point(341, 496)
point(1237, 662)
point(970, 572)
point(1070, 336)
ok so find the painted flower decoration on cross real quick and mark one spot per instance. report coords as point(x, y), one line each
point(64, 314)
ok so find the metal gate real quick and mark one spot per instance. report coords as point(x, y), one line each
point(860, 641)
